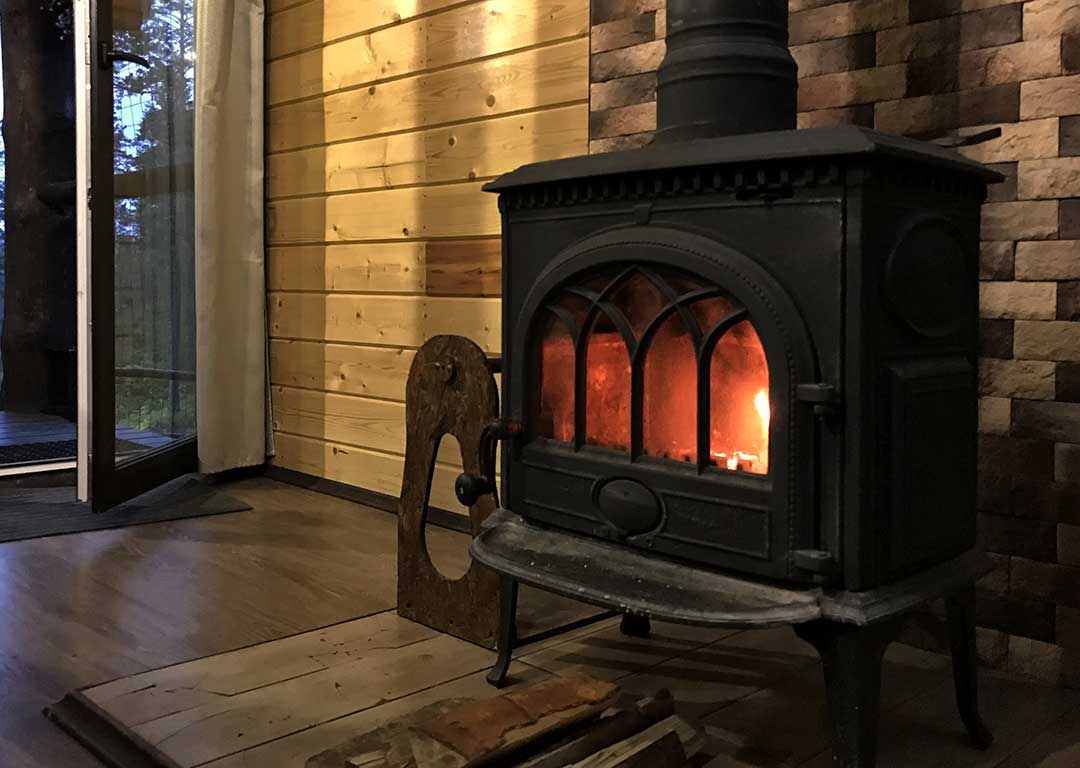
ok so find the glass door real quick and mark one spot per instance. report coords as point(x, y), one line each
point(142, 246)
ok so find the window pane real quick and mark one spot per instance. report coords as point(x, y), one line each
point(556, 417)
point(607, 388)
point(739, 402)
point(154, 219)
point(670, 406)
point(639, 300)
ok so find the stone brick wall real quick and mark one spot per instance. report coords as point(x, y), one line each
point(926, 68)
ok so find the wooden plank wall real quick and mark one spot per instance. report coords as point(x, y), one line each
point(384, 119)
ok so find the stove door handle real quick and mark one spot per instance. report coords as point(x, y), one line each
point(469, 488)
point(825, 399)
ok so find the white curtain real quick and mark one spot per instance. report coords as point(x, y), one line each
point(230, 293)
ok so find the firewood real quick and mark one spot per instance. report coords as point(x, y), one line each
point(488, 730)
point(370, 760)
point(613, 726)
point(382, 740)
point(691, 740)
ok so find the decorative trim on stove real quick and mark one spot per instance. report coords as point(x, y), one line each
point(769, 181)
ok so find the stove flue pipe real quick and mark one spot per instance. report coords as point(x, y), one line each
point(727, 70)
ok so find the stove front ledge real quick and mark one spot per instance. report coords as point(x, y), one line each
point(618, 578)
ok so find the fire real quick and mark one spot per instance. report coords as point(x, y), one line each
point(739, 408)
point(757, 462)
point(740, 403)
point(761, 403)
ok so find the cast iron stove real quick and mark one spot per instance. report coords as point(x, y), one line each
point(739, 370)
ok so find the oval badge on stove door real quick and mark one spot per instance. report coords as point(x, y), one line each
point(630, 506)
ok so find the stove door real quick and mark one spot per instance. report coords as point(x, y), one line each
point(658, 395)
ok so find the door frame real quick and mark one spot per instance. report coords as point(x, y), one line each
point(101, 480)
point(84, 429)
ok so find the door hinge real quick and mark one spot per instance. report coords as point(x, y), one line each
point(816, 561)
point(825, 399)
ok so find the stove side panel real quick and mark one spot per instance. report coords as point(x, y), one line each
point(911, 405)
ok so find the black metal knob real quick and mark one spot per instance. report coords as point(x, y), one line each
point(469, 488)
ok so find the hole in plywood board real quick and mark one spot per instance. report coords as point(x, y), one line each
point(448, 550)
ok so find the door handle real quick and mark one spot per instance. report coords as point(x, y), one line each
point(110, 56)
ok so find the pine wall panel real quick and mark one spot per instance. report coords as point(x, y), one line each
point(384, 119)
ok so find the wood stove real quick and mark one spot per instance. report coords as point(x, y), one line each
point(739, 367)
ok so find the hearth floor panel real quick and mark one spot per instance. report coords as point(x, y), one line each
point(759, 694)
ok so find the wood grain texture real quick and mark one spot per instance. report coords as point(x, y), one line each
point(158, 693)
point(385, 118)
point(83, 609)
point(380, 472)
point(476, 150)
point(88, 608)
point(518, 82)
point(294, 750)
point(450, 392)
point(404, 321)
point(373, 371)
point(459, 35)
point(465, 267)
point(351, 421)
point(434, 268)
point(454, 210)
point(372, 675)
point(312, 24)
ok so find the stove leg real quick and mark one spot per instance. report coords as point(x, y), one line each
point(508, 593)
point(852, 658)
point(635, 626)
point(961, 618)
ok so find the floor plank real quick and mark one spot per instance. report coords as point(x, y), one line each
point(927, 731)
point(86, 608)
point(141, 698)
point(235, 723)
point(607, 655)
point(1057, 747)
point(293, 751)
point(304, 585)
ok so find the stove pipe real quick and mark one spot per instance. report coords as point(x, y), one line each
point(727, 70)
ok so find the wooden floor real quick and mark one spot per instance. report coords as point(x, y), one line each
point(88, 608)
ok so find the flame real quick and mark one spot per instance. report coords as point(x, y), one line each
point(761, 403)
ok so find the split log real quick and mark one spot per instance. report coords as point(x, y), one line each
point(652, 748)
point(664, 752)
point(557, 723)
point(612, 727)
point(379, 744)
point(490, 730)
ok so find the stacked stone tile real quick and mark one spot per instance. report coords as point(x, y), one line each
point(927, 68)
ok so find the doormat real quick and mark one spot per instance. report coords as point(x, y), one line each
point(32, 513)
point(54, 450)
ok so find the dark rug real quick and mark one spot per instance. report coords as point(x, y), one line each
point(54, 450)
point(34, 512)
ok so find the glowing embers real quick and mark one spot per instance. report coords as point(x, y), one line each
point(739, 410)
